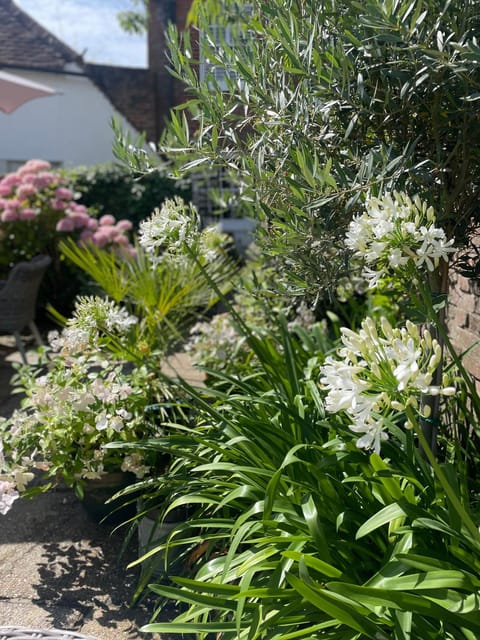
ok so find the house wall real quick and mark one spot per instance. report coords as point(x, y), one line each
point(71, 128)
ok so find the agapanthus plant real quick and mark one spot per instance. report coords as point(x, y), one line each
point(379, 371)
point(397, 236)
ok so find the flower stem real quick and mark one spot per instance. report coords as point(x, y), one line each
point(447, 487)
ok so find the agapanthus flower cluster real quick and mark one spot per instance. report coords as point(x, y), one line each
point(173, 233)
point(92, 318)
point(377, 373)
point(394, 234)
point(214, 342)
point(36, 204)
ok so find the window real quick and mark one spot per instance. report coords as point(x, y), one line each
point(214, 45)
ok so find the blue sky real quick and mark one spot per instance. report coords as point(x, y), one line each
point(90, 25)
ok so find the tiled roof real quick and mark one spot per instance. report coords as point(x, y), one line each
point(25, 43)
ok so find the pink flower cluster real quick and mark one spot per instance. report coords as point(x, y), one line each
point(34, 190)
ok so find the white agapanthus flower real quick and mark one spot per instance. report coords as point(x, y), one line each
point(393, 232)
point(93, 314)
point(377, 373)
point(168, 228)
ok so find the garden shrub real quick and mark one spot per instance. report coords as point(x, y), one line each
point(310, 107)
point(318, 508)
point(98, 378)
point(111, 189)
point(38, 208)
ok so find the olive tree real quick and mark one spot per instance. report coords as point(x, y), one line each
point(313, 104)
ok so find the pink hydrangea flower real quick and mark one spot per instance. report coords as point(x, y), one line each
point(80, 220)
point(92, 224)
point(5, 189)
point(86, 236)
point(62, 193)
point(45, 179)
point(28, 178)
point(58, 205)
point(27, 214)
point(121, 240)
point(107, 220)
point(11, 179)
point(9, 215)
point(124, 225)
point(14, 204)
point(66, 225)
point(26, 191)
point(34, 166)
point(103, 236)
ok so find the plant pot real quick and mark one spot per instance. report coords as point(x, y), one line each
point(152, 533)
point(97, 492)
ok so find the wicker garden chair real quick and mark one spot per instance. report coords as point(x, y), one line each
point(18, 297)
point(22, 633)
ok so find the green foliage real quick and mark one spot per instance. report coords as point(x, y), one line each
point(110, 189)
point(167, 290)
point(135, 22)
point(293, 532)
point(312, 105)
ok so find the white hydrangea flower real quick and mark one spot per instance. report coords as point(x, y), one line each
point(393, 232)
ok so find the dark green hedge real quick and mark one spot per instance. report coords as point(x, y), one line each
point(111, 189)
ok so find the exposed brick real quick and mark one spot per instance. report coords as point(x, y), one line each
point(459, 318)
point(463, 283)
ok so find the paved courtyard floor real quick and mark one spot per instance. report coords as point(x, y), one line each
point(59, 568)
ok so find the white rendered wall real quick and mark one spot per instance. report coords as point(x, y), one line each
point(71, 128)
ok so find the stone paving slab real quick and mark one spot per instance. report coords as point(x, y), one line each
point(59, 568)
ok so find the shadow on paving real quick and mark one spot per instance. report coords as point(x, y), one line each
point(61, 569)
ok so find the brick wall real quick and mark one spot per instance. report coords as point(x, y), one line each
point(169, 91)
point(463, 318)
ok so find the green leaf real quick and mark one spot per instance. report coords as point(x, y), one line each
point(384, 516)
point(341, 609)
